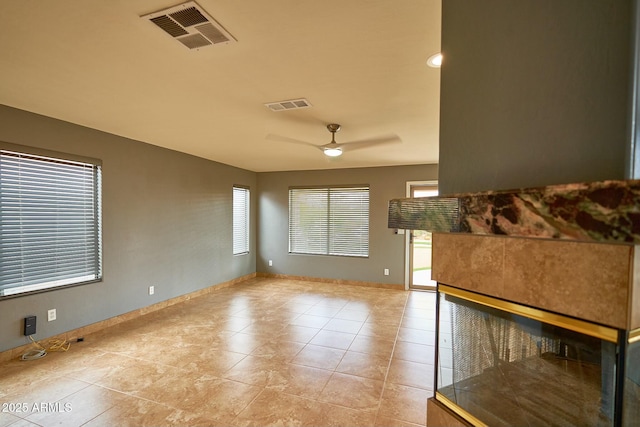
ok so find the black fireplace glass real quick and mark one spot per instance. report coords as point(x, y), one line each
point(506, 369)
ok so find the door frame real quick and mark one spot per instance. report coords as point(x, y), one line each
point(407, 233)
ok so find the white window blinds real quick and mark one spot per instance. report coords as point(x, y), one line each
point(49, 222)
point(240, 220)
point(329, 221)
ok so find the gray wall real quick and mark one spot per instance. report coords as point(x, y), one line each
point(386, 249)
point(167, 221)
point(533, 92)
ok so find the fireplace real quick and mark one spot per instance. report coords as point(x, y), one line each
point(538, 304)
point(503, 364)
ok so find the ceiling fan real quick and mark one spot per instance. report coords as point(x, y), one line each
point(335, 149)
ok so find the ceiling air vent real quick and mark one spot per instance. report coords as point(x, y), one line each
point(190, 25)
point(292, 104)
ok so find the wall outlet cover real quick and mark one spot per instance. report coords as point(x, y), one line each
point(51, 315)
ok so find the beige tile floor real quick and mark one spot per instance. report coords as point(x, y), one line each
point(264, 352)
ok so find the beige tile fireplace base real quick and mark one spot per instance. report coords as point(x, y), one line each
point(439, 416)
point(590, 281)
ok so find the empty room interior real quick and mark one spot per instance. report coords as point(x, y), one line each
point(364, 213)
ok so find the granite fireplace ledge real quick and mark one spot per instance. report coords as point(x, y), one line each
point(604, 211)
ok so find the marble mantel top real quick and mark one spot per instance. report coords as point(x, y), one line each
point(604, 211)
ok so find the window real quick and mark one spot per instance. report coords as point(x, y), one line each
point(49, 221)
point(240, 220)
point(329, 221)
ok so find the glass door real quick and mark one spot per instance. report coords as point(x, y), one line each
point(420, 246)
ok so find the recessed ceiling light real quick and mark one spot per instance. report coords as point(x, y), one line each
point(435, 61)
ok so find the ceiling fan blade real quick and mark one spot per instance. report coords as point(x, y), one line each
point(279, 138)
point(337, 159)
point(373, 142)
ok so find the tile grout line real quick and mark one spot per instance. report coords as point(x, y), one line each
point(338, 364)
point(316, 400)
point(370, 411)
point(393, 349)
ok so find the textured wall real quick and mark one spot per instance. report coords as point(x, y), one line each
point(166, 222)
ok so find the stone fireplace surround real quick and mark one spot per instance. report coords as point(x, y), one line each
point(568, 249)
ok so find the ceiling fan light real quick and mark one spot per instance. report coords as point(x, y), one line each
point(333, 152)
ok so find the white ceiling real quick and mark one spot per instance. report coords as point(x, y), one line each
point(360, 63)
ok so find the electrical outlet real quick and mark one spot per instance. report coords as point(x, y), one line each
point(386, 271)
point(152, 290)
point(51, 315)
point(270, 263)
